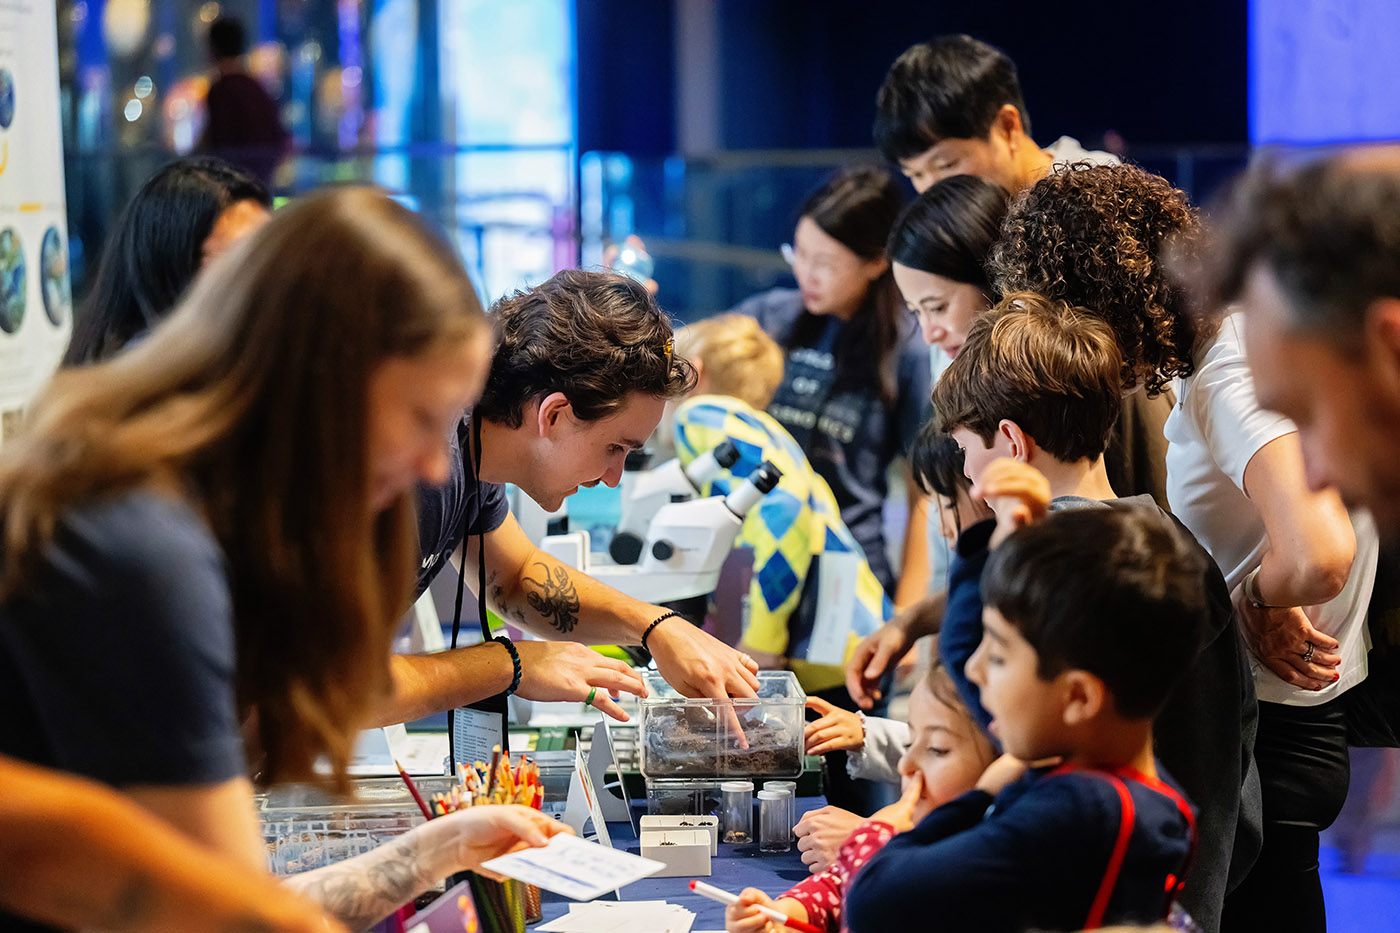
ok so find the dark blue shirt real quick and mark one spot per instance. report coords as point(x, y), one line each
point(117, 661)
point(849, 434)
point(1032, 858)
point(1204, 734)
point(447, 512)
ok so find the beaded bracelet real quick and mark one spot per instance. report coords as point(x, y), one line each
point(514, 660)
point(654, 624)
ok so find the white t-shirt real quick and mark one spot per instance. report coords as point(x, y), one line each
point(1067, 151)
point(1213, 432)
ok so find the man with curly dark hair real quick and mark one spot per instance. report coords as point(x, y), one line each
point(582, 371)
point(953, 106)
point(1092, 237)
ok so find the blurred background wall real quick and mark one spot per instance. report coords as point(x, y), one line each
point(536, 131)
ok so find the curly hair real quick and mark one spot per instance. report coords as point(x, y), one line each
point(1092, 236)
point(595, 336)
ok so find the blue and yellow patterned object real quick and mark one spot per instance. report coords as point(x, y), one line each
point(788, 531)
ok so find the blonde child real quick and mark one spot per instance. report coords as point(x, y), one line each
point(796, 533)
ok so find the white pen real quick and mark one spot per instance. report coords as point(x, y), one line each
point(724, 897)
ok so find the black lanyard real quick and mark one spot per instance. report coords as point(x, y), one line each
point(498, 703)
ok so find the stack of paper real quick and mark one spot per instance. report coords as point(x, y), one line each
point(622, 917)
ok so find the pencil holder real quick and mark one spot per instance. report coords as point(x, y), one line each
point(500, 906)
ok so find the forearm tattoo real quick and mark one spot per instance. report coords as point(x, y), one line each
point(553, 596)
point(361, 895)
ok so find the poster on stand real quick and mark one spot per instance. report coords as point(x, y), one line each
point(36, 296)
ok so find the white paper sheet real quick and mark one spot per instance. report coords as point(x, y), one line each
point(622, 917)
point(576, 869)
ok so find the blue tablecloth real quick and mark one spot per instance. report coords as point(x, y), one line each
point(734, 868)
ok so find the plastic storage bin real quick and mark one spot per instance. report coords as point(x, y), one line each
point(682, 797)
point(685, 737)
point(304, 827)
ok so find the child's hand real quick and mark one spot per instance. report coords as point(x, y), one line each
point(908, 809)
point(820, 834)
point(1017, 492)
point(744, 917)
point(1005, 770)
point(837, 729)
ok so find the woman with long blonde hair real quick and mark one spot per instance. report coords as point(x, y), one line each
point(216, 527)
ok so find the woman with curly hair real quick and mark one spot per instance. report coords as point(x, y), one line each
point(1090, 236)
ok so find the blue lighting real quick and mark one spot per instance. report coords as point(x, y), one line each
point(1323, 71)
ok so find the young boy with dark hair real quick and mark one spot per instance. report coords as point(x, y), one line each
point(953, 106)
point(1092, 617)
point(1032, 399)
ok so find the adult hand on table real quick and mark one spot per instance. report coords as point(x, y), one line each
point(462, 840)
point(1285, 641)
point(565, 670)
point(820, 834)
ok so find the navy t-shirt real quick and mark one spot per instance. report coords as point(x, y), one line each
point(118, 661)
point(850, 436)
point(1033, 857)
point(447, 512)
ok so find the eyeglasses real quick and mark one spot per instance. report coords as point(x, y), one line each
point(820, 267)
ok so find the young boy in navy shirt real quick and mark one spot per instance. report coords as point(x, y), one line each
point(1039, 386)
point(1091, 618)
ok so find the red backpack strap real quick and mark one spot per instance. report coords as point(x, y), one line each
point(1125, 832)
point(1175, 883)
point(1128, 816)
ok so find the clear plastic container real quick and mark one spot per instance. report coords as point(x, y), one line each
point(687, 737)
point(789, 791)
point(774, 832)
point(305, 827)
point(683, 797)
point(736, 812)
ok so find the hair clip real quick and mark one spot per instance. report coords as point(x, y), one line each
point(667, 350)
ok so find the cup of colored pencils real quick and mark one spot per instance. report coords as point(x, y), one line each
point(502, 906)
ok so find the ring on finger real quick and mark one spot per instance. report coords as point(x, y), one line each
point(1308, 654)
point(593, 692)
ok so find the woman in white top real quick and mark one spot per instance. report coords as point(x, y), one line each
point(1302, 571)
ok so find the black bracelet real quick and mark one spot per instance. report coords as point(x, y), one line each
point(654, 624)
point(514, 660)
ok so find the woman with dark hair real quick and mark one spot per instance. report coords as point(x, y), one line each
point(856, 376)
point(220, 522)
point(938, 252)
point(181, 218)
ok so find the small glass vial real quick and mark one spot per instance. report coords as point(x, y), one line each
point(736, 811)
point(774, 834)
point(789, 788)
